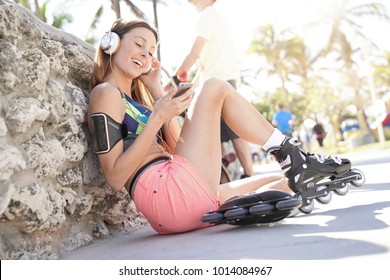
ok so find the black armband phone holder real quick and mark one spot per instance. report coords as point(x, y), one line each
point(106, 132)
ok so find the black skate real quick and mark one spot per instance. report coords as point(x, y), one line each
point(254, 208)
point(312, 176)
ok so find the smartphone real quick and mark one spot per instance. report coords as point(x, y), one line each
point(182, 88)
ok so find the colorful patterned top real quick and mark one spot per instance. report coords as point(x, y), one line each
point(136, 117)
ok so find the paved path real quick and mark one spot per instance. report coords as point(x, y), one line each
point(355, 226)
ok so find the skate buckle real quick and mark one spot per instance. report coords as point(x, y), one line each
point(310, 185)
point(336, 159)
point(319, 158)
point(294, 141)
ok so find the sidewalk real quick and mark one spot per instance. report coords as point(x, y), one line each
point(354, 226)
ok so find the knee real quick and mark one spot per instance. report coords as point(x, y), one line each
point(216, 87)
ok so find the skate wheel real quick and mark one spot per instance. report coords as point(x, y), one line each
point(261, 209)
point(212, 217)
point(306, 209)
point(289, 204)
point(342, 191)
point(361, 181)
point(325, 199)
point(236, 213)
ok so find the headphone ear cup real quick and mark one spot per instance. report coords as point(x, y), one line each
point(110, 43)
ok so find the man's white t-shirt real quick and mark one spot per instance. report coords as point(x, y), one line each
point(218, 57)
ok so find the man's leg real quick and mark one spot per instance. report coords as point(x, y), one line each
point(240, 146)
point(244, 156)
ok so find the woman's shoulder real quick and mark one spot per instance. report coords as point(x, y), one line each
point(105, 89)
point(105, 92)
point(105, 98)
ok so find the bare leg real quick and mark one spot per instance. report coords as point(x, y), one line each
point(200, 141)
point(244, 155)
point(200, 137)
point(250, 184)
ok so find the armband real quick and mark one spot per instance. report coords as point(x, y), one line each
point(106, 132)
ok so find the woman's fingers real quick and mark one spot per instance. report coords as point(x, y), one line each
point(170, 107)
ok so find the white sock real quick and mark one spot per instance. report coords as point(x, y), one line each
point(276, 139)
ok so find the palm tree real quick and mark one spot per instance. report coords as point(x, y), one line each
point(90, 38)
point(41, 12)
point(343, 20)
point(345, 28)
point(344, 46)
point(285, 53)
point(382, 72)
point(115, 6)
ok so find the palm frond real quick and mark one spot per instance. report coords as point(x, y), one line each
point(137, 11)
point(371, 9)
point(61, 19)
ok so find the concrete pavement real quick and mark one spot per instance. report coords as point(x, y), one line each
point(354, 226)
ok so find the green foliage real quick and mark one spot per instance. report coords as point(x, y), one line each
point(382, 72)
point(264, 106)
point(24, 3)
point(61, 19)
point(308, 88)
point(41, 12)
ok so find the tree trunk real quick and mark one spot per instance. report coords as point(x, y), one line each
point(38, 12)
point(156, 24)
point(116, 8)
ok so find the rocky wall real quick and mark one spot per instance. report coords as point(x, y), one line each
point(53, 197)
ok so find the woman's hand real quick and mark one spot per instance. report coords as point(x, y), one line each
point(152, 79)
point(168, 106)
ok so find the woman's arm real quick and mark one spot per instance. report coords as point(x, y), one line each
point(119, 166)
point(119, 170)
point(172, 129)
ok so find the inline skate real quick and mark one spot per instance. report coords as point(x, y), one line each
point(312, 176)
point(254, 208)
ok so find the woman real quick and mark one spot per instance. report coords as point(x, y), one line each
point(172, 173)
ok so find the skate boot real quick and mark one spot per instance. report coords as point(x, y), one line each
point(254, 208)
point(312, 176)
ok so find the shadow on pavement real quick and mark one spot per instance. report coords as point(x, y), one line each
point(336, 233)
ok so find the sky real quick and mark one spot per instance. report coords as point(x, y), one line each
point(177, 22)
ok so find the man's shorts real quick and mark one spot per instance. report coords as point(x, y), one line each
point(226, 133)
point(173, 196)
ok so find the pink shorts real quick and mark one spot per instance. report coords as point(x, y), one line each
point(173, 196)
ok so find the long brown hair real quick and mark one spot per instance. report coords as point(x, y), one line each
point(102, 61)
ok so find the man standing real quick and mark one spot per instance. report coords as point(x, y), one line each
point(320, 134)
point(283, 119)
point(213, 51)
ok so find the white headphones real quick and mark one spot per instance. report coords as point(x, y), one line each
point(110, 42)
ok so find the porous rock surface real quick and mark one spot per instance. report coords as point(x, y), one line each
point(53, 197)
